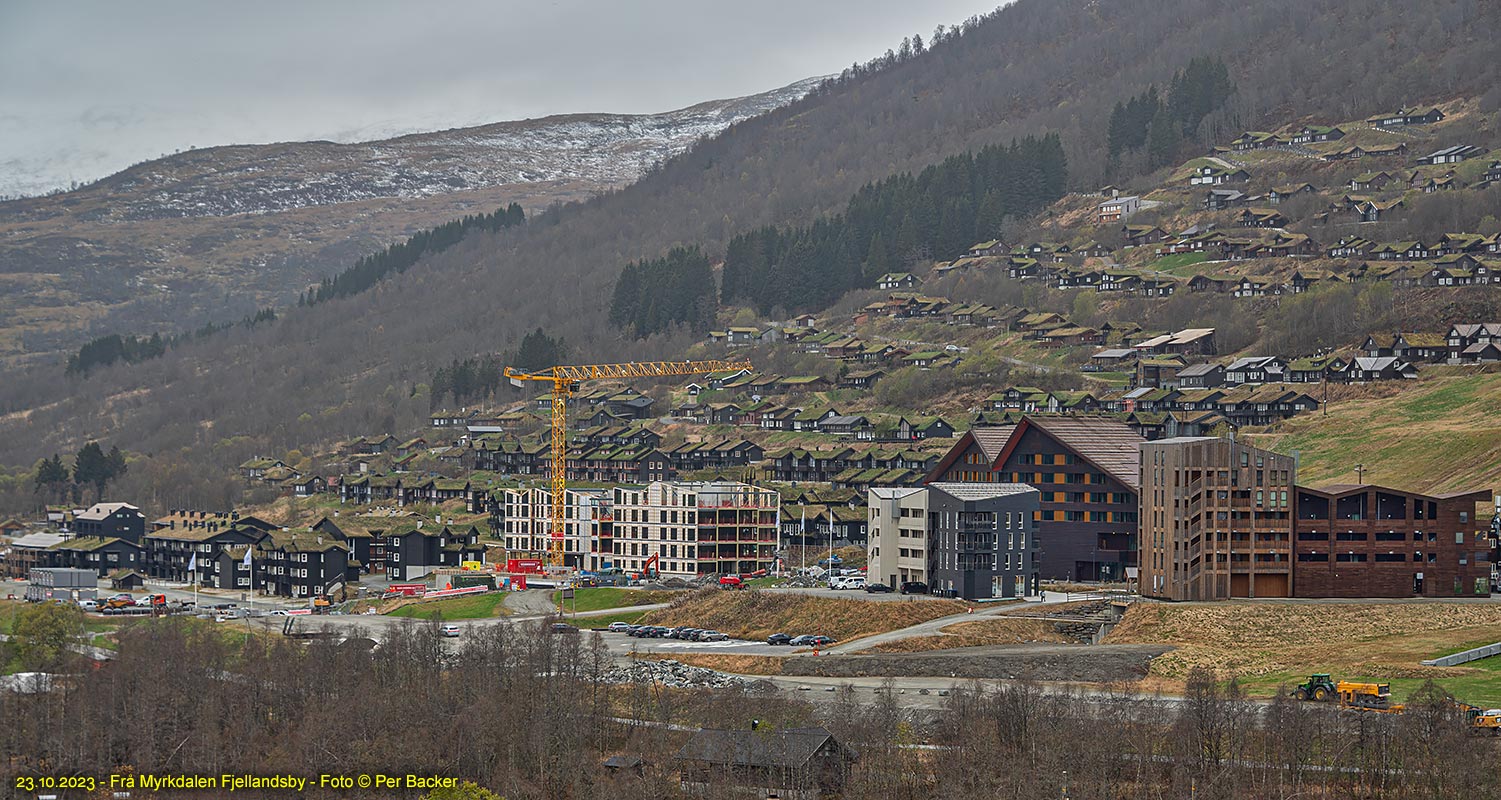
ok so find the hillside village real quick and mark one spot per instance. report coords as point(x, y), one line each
point(1266, 215)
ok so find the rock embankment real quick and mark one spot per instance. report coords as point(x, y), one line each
point(1041, 662)
point(679, 675)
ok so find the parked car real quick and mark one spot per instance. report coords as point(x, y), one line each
point(88, 605)
point(687, 634)
point(848, 582)
point(619, 627)
point(823, 641)
point(801, 641)
point(914, 587)
point(778, 638)
point(714, 636)
point(563, 627)
point(451, 631)
point(278, 612)
point(633, 630)
point(874, 588)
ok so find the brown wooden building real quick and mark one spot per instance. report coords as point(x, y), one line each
point(1216, 520)
point(1087, 470)
point(1362, 540)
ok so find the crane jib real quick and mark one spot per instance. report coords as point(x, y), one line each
point(565, 379)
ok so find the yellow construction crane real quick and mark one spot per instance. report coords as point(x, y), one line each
point(564, 381)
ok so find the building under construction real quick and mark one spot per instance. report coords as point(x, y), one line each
point(695, 528)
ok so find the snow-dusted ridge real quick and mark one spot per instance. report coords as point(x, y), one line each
point(600, 149)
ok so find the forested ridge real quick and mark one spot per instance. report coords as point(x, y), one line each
point(362, 363)
point(889, 225)
point(397, 258)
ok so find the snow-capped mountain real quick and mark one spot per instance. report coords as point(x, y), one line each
point(210, 234)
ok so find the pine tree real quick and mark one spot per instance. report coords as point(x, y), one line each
point(1163, 140)
point(92, 466)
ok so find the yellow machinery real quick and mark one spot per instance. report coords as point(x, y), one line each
point(1366, 696)
point(565, 381)
point(1482, 721)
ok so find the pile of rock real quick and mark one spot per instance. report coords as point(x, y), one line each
point(675, 674)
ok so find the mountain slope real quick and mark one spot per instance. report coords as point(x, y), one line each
point(211, 234)
point(360, 365)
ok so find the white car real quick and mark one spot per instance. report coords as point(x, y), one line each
point(451, 631)
point(278, 612)
point(619, 627)
point(88, 605)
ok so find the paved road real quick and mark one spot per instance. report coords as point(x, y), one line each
point(935, 626)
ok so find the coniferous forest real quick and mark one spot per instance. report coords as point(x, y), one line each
point(397, 258)
point(1160, 124)
point(654, 295)
point(886, 226)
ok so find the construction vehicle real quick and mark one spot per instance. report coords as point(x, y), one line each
point(731, 582)
point(1318, 687)
point(565, 381)
point(649, 569)
point(1367, 696)
point(1321, 687)
point(1481, 721)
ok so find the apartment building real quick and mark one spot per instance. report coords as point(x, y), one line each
point(897, 549)
point(1087, 471)
point(111, 521)
point(1362, 540)
point(695, 528)
point(588, 525)
point(1216, 520)
point(982, 539)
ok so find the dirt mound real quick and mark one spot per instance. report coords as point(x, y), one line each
point(1080, 663)
point(752, 614)
point(1249, 639)
point(980, 632)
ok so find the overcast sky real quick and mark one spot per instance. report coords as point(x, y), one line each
point(88, 88)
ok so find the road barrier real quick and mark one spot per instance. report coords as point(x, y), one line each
point(1474, 654)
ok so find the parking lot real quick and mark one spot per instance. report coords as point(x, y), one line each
point(856, 594)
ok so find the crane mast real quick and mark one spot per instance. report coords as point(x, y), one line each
point(565, 381)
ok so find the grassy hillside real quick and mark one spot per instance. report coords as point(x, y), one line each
point(1441, 433)
point(754, 614)
point(1265, 645)
point(478, 606)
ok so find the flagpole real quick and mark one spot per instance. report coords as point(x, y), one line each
point(831, 542)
